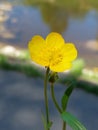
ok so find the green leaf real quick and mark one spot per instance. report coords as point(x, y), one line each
point(66, 96)
point(72, 121)
point(64, 101)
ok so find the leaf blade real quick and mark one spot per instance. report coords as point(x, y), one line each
point(65, 97)
point(72, 121)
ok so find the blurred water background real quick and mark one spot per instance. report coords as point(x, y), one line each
point(76, 20)
point(21, 98)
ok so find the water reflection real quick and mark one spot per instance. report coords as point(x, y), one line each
point(55, 17)
point(76, 20)
point(75, 8)
point(4, 16)
point(57, 13)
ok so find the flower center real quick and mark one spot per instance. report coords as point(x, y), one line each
point(56, 58)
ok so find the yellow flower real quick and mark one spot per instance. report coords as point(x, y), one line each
point(52, 52)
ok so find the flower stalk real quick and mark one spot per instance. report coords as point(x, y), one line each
point(54, 99)
point(56, 104)
point(64, 126)
point(46, 97)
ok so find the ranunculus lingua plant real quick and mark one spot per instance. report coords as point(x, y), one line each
point(56, 56)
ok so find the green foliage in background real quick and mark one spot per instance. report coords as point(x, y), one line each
point(24, 66)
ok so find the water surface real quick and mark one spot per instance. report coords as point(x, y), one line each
point(77, 22)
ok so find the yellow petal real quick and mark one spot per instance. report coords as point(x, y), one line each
point(62, 58)
point(54, 40)
point(37, 42)
point(37, 50)
point(61, 67)
point(69, 52)
point(52, 52)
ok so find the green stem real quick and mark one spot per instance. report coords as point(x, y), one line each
point(56, 104)
point(64, 126)
point(54, 99)
point(46, 97)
